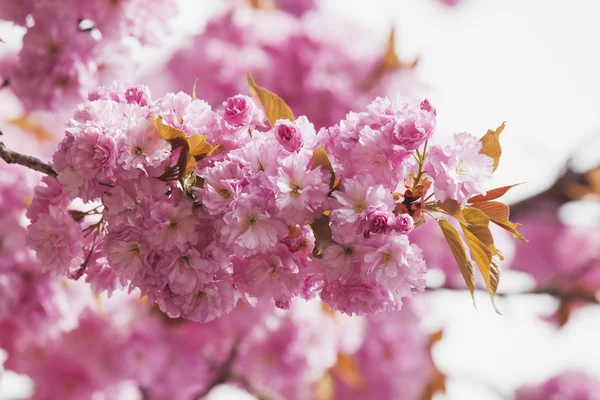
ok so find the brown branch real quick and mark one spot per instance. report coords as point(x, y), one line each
point(30, 162)
point(558, 193)
point(572, 295)
point(225, 374)
point(250, 388)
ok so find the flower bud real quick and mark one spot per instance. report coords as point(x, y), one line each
point(378, 222)
point(427, 106)
point(138, 94)
point(404, 223)
point(288, 135)
point(239, 110)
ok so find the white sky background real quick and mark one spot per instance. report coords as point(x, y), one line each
point(536, 65)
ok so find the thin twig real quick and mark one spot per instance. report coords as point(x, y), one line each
point(30, 162)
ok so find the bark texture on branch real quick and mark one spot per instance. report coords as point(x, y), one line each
point(30, 162)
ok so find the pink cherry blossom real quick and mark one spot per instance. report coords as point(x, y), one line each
point(302, 192)
point(57, 240)
point(459, 171)
point(403, 224)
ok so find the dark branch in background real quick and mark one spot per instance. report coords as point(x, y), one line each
point(225, 374)
point(568, 295)
point(558, 193)
point(30, 162)
point(247, 385)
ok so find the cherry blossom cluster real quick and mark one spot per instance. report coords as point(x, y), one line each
point(199, 207)
point(72, 46)
point(334, 63)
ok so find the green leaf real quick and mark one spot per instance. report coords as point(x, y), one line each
point(491, 144)
point(460, 253)
point(274, 105)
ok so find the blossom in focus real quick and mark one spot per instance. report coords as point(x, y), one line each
point(459, 170)
point(199, 208)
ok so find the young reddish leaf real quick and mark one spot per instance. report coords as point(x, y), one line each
point(435, 384)
point(325, 387)
point(27, 125)
point(328, 311)
point(481, 243)
point(436, 337)
point(190, 166)
point(491, 144)
point(199, 147)
point(494, 210)
point(322, 232)
point(320, 158)
point(167, 132)
point(194, 97)
point(274, 105)
point(263, 4)
point(452, 208)
point(390, 59)
point(593, 178)
point(437, 380)
point(184, 162)
point(577, 190)
point(494, 277)
point(346, 368)
point(499, 214)
point(512, 228)
point(459, 251)
point(492, 194)
point(388, 63)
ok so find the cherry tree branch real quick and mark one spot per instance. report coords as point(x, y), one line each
point(12, 157)
point(565, 295)
point(225, 374)
point(557, 193)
